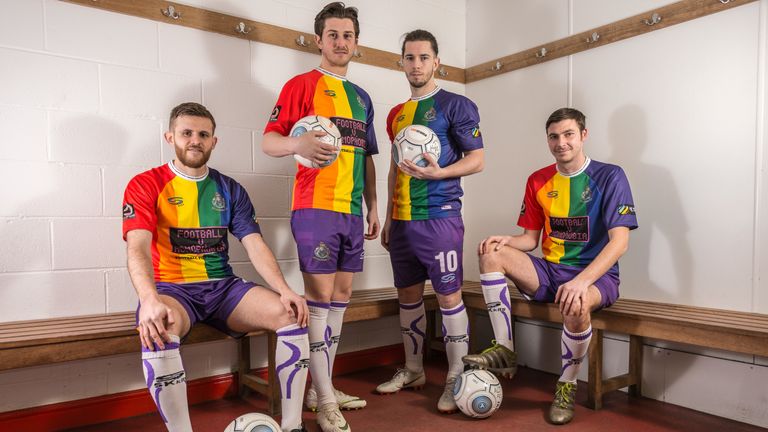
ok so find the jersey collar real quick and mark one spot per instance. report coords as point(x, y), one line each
point(329, 73)
point(428, 95)
point(580, 170)
point(186, 177)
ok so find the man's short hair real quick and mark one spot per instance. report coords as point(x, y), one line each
point(567, 114)
point(420, 35)
point(336, 10)
point(192, 109)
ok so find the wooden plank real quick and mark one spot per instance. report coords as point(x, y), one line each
point(595, 387)
point(672, 14)
point(230, 25)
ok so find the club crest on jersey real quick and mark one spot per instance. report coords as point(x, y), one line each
point(586, 195)
point(552, 194)
point(275, 113)
point(330, 93)
point(128, 212)
point(218, 202)
point(626, 209)
point(321, 252)
point(176, 200)
point(476, 132)
point(430, 115)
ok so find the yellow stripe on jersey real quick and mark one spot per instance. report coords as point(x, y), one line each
point(403, 181)
point(188, 216)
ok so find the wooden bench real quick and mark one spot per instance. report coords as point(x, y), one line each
point(48, 341)
point(740, 332)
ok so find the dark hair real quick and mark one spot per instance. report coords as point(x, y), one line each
point(420, 35)
point(193, 109)
point(567, 114)
point(336, 10)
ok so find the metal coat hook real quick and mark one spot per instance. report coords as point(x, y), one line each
point(357, 54)
point(496, 67)
point(442, 72)
point(593, 38)
point(655, 19)
point(171, 12)
point(242, 28)
point(725, 1)
point(301, 41)
point(541, 53)
point(400, 63)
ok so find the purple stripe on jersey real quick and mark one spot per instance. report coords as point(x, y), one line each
point(295, 354)
point(156, 395)
point(294, 332)
point(339, 304)
point(493, 282)
point(577, 337)
point(504, 298)
point(411, 306)
point(454, 311)
point(168, 346)
point(318, 304)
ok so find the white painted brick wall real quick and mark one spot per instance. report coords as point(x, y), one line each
point(25, 139)
point(121, 296)
point(26, 245)
point(27, 296)
point(116, 178)
point(215, 56)
point(269, 194)
point(22, 24)
point(88, 243)
point(49, 189)
point(238, 103)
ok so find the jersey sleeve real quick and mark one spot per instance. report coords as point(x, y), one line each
point(465, 124)
point(244, 219)
point(390, 119)
point(371, 146)
point(292, 105)
point(618, 205)
point(531, 214)
point(139, 204)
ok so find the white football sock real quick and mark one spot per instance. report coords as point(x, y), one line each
point(456, 337)
point(496, 295)
point(335, 322)
point(167, 383)
point(319, 358)
point(292, 360)
point(574, 348)
point(413, 324)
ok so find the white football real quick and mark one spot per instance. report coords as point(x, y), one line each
point(253, 422)
point(412, 142)
point(477, 393)
point(319, 123)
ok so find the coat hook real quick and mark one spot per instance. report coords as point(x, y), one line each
point(442, 72)
point(400, 63)
point(242, 28)
point(593, 38)
point(357, 54)
point(655, 19)
point(496, 67)
point(541, 53)
point(171, 12)
point(301, 41)
point(725, 1)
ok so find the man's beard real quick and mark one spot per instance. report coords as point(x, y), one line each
point(193, 162)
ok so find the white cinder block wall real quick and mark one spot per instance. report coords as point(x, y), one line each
point(683, 110)
point(84, 99)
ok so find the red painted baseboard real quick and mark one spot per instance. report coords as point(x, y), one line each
point(106, 408)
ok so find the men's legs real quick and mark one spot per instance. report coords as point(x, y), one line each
point(456, 338)
point(164, 372)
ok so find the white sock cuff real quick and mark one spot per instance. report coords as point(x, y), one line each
point(578, 337)
point(492, 276)
point(171, 349)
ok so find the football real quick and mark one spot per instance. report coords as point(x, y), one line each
point(412, 142)
point(477, 393)
point(253, 422)
point(319, 123)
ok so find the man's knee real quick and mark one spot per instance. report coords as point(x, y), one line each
point(491, 262)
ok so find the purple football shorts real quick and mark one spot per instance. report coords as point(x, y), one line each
point(552, 275)
point(328, 241)
point(210, 302)
point(428, 249)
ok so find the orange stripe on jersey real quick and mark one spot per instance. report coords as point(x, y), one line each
point(560, 186)
point(166, 267)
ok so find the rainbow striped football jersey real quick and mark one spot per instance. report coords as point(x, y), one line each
point(339, 186)
point(576, 211)
point(189, 219)
point(456, 122)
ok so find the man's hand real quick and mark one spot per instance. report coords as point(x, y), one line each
point(153, 316)
point(311, 147)
point(295, 305)
point(385, 233)
point(572, 297)
point(430, 172)
point(492, 243)
point(373, 225)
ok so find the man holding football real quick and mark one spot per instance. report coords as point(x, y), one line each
point(424, 231)
point(327, 215)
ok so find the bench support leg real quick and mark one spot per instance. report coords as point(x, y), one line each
point(272, 380)
point(595, 387)
point(243, 364)
point(636, 365)
point(430, 334)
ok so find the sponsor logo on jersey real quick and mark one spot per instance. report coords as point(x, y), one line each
point(218, 202)
point(255, 219)
point(586, 196)
point(128, 211)
point(446, 207)
point(450, 277)
point(198, 241)
point(573, 229)
point(626, 209)
point(176, 200)
point(430, 115)
point(321, 252)
point(361, 102)
point(330, 93)
point(522, 208)
point(275, 113)
point(552, 194)
point(476, 132)
point(400, 118)
point(353, 132)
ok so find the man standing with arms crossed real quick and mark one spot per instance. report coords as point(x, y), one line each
point(583, 211)
point(424, 231)
point(327, 220)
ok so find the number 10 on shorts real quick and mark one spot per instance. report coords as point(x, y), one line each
point(448, 261)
